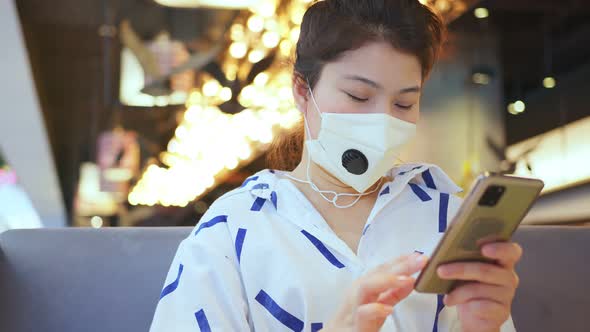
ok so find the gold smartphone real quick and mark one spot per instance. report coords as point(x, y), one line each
point(492, 211)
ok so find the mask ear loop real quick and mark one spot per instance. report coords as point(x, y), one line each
point(313, 99)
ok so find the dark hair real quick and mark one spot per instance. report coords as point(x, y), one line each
point(332, 27)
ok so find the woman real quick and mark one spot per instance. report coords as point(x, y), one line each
point(335, 244)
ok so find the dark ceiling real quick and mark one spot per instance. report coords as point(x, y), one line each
point(540, 38)
point(76, 69)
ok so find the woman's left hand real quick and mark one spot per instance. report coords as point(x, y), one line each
point(484, 299)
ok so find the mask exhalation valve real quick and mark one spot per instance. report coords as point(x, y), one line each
point(355, 162)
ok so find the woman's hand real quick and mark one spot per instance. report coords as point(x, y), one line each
point(484, 301)
point(372, 297)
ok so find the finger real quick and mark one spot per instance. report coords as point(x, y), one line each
point(371, 286)
point(478, 291)
point(370, 317)
point(482, 272)
point(486, 310)
point(410, 265)
point(506, 254)
point(390, 277)
point(395, 295)
point(404, 265)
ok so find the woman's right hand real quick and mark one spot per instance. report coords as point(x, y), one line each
point(372, 297)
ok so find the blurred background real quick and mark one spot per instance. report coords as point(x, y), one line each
point(143, 112)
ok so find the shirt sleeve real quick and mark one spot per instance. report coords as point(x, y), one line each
point(203, 289)
point(508, 326)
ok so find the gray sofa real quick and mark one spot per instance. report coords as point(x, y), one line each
point(90, 280)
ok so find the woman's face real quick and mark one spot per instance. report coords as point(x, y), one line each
point(375, 78)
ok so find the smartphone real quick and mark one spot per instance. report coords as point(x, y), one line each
point(491, 212)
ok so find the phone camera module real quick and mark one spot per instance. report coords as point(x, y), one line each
point(492, 196)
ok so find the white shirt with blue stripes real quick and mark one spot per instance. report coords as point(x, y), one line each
point(263, 259)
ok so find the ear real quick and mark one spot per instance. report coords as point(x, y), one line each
point(300, 93)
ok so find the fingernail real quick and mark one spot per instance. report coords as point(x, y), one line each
point(420, 259)
point(442, 271)
point(413, 256)
point(488, 250)
point(403, 278)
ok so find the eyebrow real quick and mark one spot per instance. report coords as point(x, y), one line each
point(414, 89)
point(364, 80)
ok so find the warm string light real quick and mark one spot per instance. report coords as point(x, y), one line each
point(449, 9)
point(208, 142)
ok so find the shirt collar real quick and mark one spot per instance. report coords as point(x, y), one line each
point(261, 184)
point(264, 183)
point(428, 175)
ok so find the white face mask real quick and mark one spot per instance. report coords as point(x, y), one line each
point(357, 149)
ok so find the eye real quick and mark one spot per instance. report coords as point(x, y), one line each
point(404, 107)
point(355, 98)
